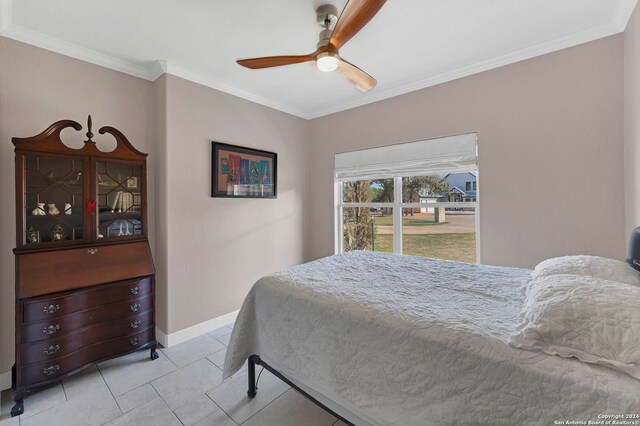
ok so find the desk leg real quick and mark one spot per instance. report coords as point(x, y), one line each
point(18, 408)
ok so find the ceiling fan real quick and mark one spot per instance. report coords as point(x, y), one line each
point(336, 32)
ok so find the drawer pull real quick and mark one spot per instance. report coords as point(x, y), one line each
point(92, 250)
point(51, 329)
point(51, 350)
point(136, 324)
point(135, 307)
point(135, 290)
point(51, 309)
point(50, 371)
point(134, 341)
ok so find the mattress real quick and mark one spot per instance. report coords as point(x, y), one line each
point(401, 340)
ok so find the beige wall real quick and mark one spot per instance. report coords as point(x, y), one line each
point(632, 121)
point(216, 248)
point(550, 151)
point(37, 88)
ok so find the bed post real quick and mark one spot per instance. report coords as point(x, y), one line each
point(253, 360)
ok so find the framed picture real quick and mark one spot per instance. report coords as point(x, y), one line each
point(132, 182)
point(239, 172)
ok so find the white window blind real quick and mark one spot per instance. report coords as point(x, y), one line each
point(450, 154)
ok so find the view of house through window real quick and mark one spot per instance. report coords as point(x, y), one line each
point(421, 215)
point(440, 232)
point(427, 231)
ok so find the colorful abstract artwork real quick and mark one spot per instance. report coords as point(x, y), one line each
point(265, 173)
point(244, 171)
point(240, 172)
point(254, 172)
point(233, 176)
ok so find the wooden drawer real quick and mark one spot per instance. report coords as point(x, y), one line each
point(58, 327)
point(54, 271)
point(59, 366)
point(61, 304)
point(42, 351)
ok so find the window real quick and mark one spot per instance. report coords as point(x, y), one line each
point(367, 228)
point(468, 186)
point(474, 185)
point(404, 199)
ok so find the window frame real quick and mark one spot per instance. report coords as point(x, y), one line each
point(397, 205)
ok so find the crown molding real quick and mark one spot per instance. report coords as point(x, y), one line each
point(477, 67)
point(53, 44)
point(215, 84)
point(151, 71)
point(623, 13)
point(157, 69)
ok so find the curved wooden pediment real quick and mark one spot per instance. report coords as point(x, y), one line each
point(49, 141)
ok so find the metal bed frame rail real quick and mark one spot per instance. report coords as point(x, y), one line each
point(253, 388)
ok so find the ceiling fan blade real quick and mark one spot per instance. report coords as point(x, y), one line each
point(356, 14)
point(275, 61)
point(356, 76)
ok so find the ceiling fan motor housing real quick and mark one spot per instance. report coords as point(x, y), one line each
point(325, 35)
point(327, 16)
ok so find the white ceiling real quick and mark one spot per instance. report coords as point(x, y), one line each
point(409, 44)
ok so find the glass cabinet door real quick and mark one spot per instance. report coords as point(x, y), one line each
point(119, 200)
point(53, 199)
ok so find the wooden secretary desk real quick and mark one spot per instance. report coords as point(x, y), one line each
point(84, 271)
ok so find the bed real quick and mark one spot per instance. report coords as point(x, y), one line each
point(383, 339)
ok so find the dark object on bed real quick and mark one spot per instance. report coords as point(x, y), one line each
point(634, 249)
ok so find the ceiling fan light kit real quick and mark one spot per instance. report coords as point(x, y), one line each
point(327, 61)
point(336, 32)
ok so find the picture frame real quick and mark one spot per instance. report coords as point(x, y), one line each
point(242, 172)
point(132, 182)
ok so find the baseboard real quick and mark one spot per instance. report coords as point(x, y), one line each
point(5, 380)
point(185, 334)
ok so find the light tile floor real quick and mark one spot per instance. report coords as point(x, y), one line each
point(182, 387)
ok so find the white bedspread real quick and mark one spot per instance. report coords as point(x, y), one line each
point(401, 340)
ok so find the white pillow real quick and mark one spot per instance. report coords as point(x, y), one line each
point(592, 266)
point(594, 320)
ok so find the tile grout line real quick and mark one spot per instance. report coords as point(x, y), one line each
point(165, 402)
point(111, 393)
point(221, 409)
point(274, 400)
point(49, 408)
point(146, 383)
point(107, 385)
point(179, 368)
point(64, 392)
point(159, 377)
point(206, 394)
point(193, 362)
point(160, 396)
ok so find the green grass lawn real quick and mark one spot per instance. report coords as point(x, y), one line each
point(459, 247)
point(406, 221)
